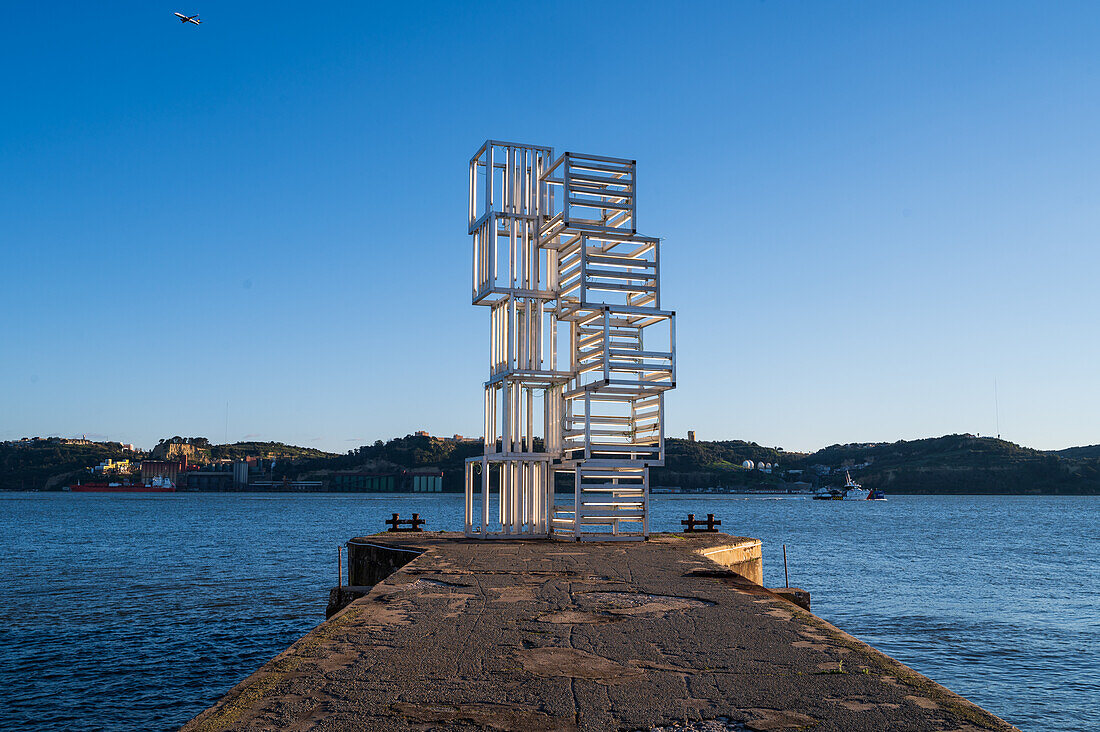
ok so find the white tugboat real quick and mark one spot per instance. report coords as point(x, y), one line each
point(853, 491)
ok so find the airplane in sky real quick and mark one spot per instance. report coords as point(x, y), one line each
point(188, 18)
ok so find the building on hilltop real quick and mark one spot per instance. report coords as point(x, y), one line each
point(174, 451)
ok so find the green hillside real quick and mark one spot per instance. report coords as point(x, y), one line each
point(957, 464)
point(1079, 453)
point(693, 465)
point(201, 450)
point(275, 450)
point(41, 464)
point(952, 464)
point(400, 453)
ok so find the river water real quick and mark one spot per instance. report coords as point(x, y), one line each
point(138, 611)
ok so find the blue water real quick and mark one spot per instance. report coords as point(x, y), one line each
point(138, 611)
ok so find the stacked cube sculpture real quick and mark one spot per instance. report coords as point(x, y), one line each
point(579, 347)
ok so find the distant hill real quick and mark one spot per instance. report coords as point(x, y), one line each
point(275, 450)
point(49, 463)
point(952, 464)
point(955, 464)
point(693, 465)
point(400, 453)
point(687, 464)
point(1079, 453)
point(200, 450)
point(43, 464)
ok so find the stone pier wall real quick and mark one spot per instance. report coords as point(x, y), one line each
point(742, 557)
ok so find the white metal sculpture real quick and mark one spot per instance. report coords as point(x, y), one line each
point(579, 346)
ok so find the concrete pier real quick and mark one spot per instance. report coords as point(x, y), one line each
point(538, 635)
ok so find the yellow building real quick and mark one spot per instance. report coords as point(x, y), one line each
point(114, 466)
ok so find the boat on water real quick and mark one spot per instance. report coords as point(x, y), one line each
point(851, 491)
point(156, 485)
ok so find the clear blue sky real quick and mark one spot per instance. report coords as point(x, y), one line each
point(872, 212)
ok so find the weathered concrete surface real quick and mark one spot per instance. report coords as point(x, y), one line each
point(526, 635)
point(340, 597)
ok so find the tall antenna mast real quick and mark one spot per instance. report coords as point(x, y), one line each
point(997, 408)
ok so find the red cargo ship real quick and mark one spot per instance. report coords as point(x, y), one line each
point(158, 485)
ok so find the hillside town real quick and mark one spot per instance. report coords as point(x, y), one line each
point(425, 463)
point(187, 464)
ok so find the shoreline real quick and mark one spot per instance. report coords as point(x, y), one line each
point(459, 493)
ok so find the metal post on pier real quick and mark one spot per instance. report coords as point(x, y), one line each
point(786, 577)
